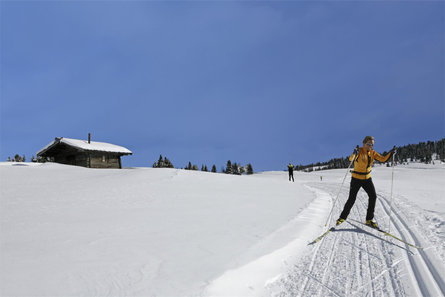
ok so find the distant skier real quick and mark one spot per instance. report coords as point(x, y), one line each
point(290, 167)
point(361, 177)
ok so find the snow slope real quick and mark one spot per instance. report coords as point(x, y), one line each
point(71, 231)
point(75, 231)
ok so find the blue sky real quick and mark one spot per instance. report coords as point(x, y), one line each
point(264, 82)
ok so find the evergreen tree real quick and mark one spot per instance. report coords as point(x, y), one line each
point(440, 149)
point(236, 169)
point(214, 168)
point(167, 163)
point(160, 162)
point(228, 167)
point(249, 169)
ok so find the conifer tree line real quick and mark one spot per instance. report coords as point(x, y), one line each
point(237, 169)
point(192, 167)
point(17, 158)
point(425, 152)
point(231, 168)
point(163, 163)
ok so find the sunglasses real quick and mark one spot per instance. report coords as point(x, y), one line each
point(370, 144)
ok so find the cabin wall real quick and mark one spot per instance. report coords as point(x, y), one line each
point(104, 161)
point(72, 159)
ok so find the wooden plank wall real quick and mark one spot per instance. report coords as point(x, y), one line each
point(104, 161)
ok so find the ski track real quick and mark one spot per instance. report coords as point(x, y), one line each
point(354, 261)
point(429, 280)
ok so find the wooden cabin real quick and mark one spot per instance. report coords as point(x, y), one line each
point(86, 153)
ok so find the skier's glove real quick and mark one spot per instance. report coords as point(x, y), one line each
point(356, 150)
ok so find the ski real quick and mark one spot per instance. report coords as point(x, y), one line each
point(388, 234)
point(321, 236)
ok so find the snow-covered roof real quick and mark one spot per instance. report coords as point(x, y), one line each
point(84, 145)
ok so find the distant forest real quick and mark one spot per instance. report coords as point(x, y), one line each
point(231, 168)
point(425, 152)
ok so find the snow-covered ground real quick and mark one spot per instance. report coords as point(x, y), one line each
point(72, 231)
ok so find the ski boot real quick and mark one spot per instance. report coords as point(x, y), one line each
point(339, 221)
point(372, 224)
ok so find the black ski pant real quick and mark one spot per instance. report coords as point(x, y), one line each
point(368, 186)
point(291, 175)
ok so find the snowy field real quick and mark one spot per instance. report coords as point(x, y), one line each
point(72, 231)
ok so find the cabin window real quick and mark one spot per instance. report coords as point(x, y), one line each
point(104, 159)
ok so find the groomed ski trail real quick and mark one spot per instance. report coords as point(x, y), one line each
point(352, 261)
point(424, 265)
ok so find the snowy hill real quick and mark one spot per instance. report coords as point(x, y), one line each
point(72, 231)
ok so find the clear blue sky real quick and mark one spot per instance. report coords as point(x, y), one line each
point(264, 82)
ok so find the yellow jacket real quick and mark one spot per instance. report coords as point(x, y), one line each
point(363, 163)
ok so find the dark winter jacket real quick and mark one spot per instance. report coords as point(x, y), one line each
point(290, 168)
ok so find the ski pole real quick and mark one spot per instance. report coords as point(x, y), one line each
point(336, 198)
point(392, 184)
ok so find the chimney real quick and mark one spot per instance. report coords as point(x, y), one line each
point(89, 137)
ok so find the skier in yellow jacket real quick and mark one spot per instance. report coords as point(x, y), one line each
point(361, 177)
